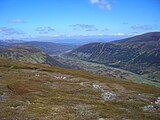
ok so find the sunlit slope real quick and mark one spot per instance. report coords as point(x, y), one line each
point(28, 54)
point(36, 91)
point(139, 54)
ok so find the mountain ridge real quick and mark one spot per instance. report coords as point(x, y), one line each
point(28, 54)
point(47, 47)
point(141, 56)
point(150, 36)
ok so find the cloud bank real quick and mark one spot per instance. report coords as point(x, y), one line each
point(16, 21)
point(85, 27)
point(44, 30)
point(142, 27)
point(10, 31)
point(102, 4)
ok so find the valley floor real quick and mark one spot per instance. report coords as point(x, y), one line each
point(104, 70)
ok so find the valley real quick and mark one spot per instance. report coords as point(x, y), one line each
point(101, 69)
point(79, 60)
point(139, 54)
point(46, 81)
point(134, 59)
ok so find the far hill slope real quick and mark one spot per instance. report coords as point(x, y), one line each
point(139, 54)
point(146, 37)
point(28, 54)
point(3, 44)
point(48, 47)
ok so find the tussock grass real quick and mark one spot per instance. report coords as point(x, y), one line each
point(34, 93)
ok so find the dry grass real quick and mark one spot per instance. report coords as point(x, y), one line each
point(33, 91)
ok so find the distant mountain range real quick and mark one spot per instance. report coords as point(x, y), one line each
point(3, 44)
point(33, 91)
point(28, 54)
point(47, 47)
point(139, 54)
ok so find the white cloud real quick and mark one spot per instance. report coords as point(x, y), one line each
point(10, 31)
point(45, 30)
point(106, 29)
point(102, 4)
point(142, 27)
point(85, 27)
point(94, 1)
point(118, 34)
point(16, 21)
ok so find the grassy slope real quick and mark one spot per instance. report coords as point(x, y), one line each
point(29, 54)
point(35, 91)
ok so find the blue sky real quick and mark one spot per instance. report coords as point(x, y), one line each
point(67, 18)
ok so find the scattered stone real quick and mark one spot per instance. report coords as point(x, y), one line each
point(11, 67)
point(151, 108)
point(130, 99)
point(60, 77)
point(3, 96)
point(37, 75)
point(108, 96)
point(95, 86)
point(20, 108)
point(82, 83)
point(101, 119)
point(105, 119)
point(155, 105)
point(148, 107)
point(157, 102)
point(28, 102)
point(85, 110)
point(98, 87)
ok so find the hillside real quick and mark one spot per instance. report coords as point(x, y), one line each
point(3, 44)
point(146, 37)
point(47, 47)
point(36, 91)
point(104, 70)
point(139, 54)
point(28, 54)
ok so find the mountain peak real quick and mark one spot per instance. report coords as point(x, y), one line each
point(146, 37)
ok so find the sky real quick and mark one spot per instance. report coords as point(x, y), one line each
point(20, 19)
